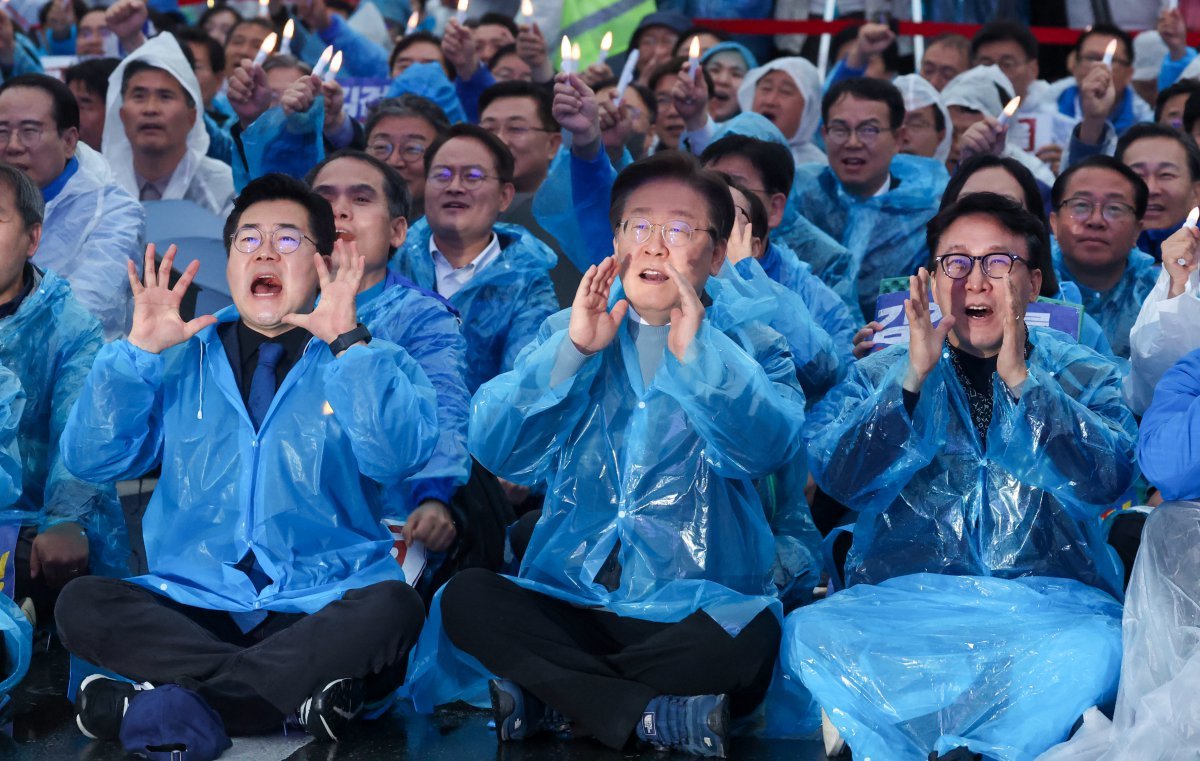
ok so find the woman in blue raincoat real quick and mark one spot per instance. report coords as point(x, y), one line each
point(980, 458)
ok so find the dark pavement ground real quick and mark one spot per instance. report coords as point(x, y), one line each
point(43, 729)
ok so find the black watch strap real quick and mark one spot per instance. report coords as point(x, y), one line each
point(348, 339)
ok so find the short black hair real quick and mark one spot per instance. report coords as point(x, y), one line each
point(280, 187)
point(133, 68)
point(1191, 112)
point(395, 189)
point(1029, 189)
point(500, 153)
point(680, 167)
point(94, 73)
point(865, 88)
point(31, 206)
point(255, 20)
point(772, 161)
point(216, 51)
point(1106, 30)
point(1010, 214)
point(407, 105)
point(540, 96)
point(1005, 30)
point(79, 7)
point(491, 18)
point(63, 107)
point(408, 40)
point(1182, 87)
point(1141, 194)
point(1148, 129)
point(213, 11)
point(758, 212)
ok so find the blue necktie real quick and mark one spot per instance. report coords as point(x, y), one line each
point(262, 383)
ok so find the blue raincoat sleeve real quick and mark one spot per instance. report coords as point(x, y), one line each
point(1170, 436)
point(572, 205)
point(829, 259)
point(534, 305)
point(26, 59)
point(12, 405)
point(360, 56)
point(388, 408)
point(276, 142)
point(220, 144)
point(1171, 70)
point(429, 81)
point(470, 89)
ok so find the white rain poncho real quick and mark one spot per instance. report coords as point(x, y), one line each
point(92, 228)
point(1157, 717)
point(804, 151)
point(206, 181)
point(918, 94)
point(1164, 332)
point(986, 89)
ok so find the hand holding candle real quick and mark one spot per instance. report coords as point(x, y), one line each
point(323, 62)
point(693, 58)
point(526, 16)
point(265, 49)
point(1009, 111)
point(1189, 224)
point(1110, 52)
point(627, 73)
point(335, 65)
point(564, 51)
point(461, 15)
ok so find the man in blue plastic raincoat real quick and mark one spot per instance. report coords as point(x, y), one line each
point(872, 199)
point(980, 458)
point(67, 526)
point(93, 227)
point(644, 607)
point(272, 591)
point(496, 275)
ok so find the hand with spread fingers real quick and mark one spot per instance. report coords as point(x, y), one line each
point(1011, 364)
point(924, 340)
point(336, 313)
point(593, 327)
point(685, 318)
point(157, 324)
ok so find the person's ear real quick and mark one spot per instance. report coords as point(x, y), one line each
point(399, 231)
point(555, 144)
point(35, 238)
point(70, 138)
point(507, 191)
point(1054, 224)
point(1035, 280)
point(775, 210)
point(718, 257)
point(1036, 72)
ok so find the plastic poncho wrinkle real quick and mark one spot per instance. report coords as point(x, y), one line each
point(303, 492)
point(932, 497)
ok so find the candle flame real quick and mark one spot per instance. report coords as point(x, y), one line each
point(289, 29)
point(211, 4)
point(1193, 216)
point(694, 48)
point(565, 48)
point(323, 61)
point(268, 45)
point(526, 9)
point(606, 43)
point(462, 6)
point(335, 65)
point(576, 54)
point(1012, 106)
point(413, 20)
point(1110, 50)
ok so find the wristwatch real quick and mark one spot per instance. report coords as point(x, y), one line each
point(349, 338)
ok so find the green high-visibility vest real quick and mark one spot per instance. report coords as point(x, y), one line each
point(586, 21)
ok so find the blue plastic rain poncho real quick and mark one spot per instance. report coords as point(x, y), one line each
point(502, 306)
point(197, 178)
point(278, 142)
point(427, 328)
point(783, 266)
point(885, 234)
point(1166, 447)
point(305, 492)
point(50, 343)
point(12, 408)
point(429, 81)
point(26, 58)
point(16, 635)
point(1117, 308)
point(808, 81)
point(92, 228)
point(932, 497)
point(1091, 334)
point(664, 470)
point(931, 662)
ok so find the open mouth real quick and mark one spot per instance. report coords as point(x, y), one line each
point(455, 206)
point(854, 162)
point(653, 276)
point(266, 285)
point(978, 312)
point(770, 116)
point(345, 235)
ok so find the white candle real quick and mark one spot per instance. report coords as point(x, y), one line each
point(323, 61)
point(265, 49)
point(605, 46)
point(918, 40)
point(289, 29)
point(1009, 110)
point(1109, 52)
point(1190, 224)
point(263, 11)
point(461, 15)
point(693, 58)
point(564, 51)
point(631, 62)
point(335, 65)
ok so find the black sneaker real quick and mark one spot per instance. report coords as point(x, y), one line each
point(100, 705)
point(519, 715)
point(331, 709)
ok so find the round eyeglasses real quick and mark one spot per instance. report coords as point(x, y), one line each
point(284, 239)
point(676, 233)
point(997, 265)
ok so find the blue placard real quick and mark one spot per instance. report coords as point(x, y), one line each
point(1044, 313)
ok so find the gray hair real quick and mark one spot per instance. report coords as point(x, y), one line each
point(27, 196)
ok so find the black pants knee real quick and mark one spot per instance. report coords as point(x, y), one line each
point(254, 680)
point(596, 667)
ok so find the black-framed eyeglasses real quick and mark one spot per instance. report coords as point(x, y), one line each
point(408, 152)
point(471, 177)
point(1080, 209)
point(995, 265)
point(867, 133)
point(285, 239)
point(674, 233)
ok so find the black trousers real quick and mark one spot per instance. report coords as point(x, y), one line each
point(598, 668)
point(253, 680)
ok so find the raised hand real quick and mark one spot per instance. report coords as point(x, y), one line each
point(458, 45)
point(596, 72)
point(299, 95)
point(575, 109)
point(741, 241)
point(1011, 365)
point(924, 340)
point(336, 312)
point(1097, 96)
point(531, 48)
point(871, 39)
point(592, 326)
point(126, 19)
point(984, 136)
point(685, 318)
point(8, 40)
point(248, 92)
point(157, 324)
point(1179, 258)
point(335, 105)
point(1173, 32)
point(616, 122)
point(691, 98)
